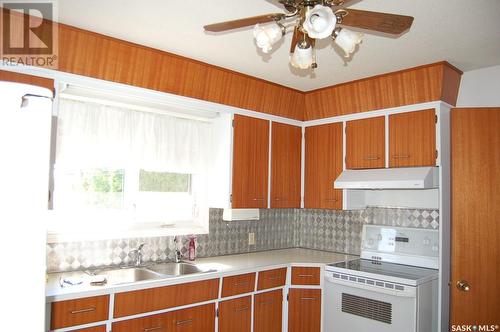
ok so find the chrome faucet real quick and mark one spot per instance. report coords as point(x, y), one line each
point(177, 252)
point(137, 254)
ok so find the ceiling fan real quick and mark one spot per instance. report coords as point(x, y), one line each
point(315, 19)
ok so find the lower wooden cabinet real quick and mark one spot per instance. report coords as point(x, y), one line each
point(235, 315)
point(304, 310)
point(101, 328)
point(196, 319)
point(268, 311)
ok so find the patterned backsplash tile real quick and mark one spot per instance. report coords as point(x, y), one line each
point(329, 230)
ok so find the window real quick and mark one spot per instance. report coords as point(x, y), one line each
point(122, 171)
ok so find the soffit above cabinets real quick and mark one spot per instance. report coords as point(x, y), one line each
point(452, 30)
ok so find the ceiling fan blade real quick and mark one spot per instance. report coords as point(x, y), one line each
point(382, 22)
point(230, 25)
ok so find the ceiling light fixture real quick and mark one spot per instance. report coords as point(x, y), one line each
point(312, 20)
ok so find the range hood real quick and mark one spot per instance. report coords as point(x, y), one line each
point(389, 178)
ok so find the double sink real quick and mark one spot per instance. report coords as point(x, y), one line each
point(127, 275)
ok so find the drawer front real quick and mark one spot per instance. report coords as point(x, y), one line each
point(141, 301)
point(154, 323)
point(197, 319)
point(306, 275)
point(79, 311)
point(100, 328)
point(271, 278)
point(239, 284)
point(201, 318)
point(235, 315)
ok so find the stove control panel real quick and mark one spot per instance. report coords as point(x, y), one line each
point(380, 241)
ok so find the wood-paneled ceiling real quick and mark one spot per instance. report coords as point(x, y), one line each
point(465, 34)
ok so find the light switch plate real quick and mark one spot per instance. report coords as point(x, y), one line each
point(251, 239)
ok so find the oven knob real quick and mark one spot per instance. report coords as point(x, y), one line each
point(435, 248)
point(370, 242)
point(379, 237)
point(427, 241)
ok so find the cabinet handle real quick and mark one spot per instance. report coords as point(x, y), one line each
point(241, 283)
point(258, 199)
point(159, 327)
point(306, 275)
point(81, 311)
point(371, 158)
point(308, 298)
point(331, 200)
point(273, 278)
point(241, 309)
point(266, 302)
point(401, 156)
point(184, 322)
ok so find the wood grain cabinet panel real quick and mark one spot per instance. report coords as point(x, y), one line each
point(412, 139)
point(238, 284)
point(141, 301)
point(323, 165)
point(306, 275)
point(235, 315)
point(250, 162)
point(195, 319)
point(79, 311)
point(268, 311)
point(271, 278)
point(365, 143)
point(286, 150)
point(304, 310)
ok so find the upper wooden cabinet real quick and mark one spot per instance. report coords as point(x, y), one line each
point(250, 162)
point(412, 139)
point(323, 166)
point(286, 150)
point(365, 143)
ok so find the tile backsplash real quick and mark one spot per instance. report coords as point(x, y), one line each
point(330, 230)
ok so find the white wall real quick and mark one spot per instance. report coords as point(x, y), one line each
point(480, 88)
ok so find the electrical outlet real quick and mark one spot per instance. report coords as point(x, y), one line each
point(251, 239)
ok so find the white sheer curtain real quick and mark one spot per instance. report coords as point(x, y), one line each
point(92, 135)
point(96, 135)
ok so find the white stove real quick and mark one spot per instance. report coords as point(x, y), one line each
point(392, 287)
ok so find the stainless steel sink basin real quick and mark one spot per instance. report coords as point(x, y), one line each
point(127, 275)
point(177, 269)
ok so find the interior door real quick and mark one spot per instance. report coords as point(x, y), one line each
point(475, 254)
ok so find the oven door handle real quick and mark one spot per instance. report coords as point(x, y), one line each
point(409, 291)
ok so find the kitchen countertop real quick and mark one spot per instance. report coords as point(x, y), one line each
point(225, 265)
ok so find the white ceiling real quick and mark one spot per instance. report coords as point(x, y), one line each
point(465, 33)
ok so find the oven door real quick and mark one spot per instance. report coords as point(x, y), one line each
point(362, 308)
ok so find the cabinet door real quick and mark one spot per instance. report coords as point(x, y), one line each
point(268, 311)
point(412, 139)
point(304, 310)
point(235, 315)
point(323, 166)
point(286, 166)
point(250, 162)
point(365, 143)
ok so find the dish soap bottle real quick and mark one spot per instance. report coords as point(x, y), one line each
point(192, 248)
